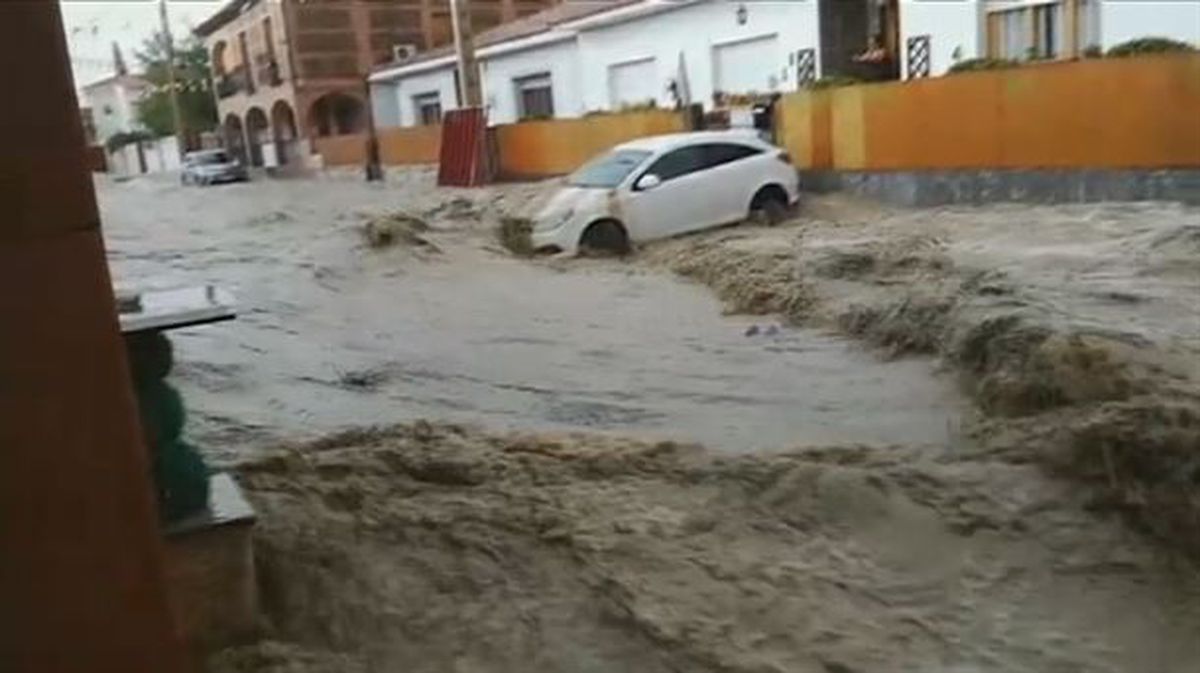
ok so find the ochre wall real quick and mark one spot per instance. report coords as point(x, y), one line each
point(555, 147)
point(805, 129)
point(412, 145)
point(1104, 113)
point(348, 150)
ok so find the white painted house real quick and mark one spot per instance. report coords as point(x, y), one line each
point(603, 56)
point(114, 102)
point(1019, 29)
point(580, 57)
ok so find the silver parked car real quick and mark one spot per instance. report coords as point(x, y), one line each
point(210, 167)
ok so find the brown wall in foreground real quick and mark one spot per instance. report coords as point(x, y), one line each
point(81, 563)
point(1104, 113)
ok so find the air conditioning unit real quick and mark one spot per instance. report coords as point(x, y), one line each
point(403, 52)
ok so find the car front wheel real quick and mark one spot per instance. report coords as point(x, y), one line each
point(604, 237)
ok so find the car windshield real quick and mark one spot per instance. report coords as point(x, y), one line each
point(608, 170)
point(209, 158)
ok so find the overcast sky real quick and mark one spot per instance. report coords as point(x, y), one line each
point(92, 26)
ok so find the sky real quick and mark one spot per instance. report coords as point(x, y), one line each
point(92, 25)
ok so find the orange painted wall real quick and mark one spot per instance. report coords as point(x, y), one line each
point(558, 146)
point(407, 146)
point(1104, 113)
point(348, 150)
point(805, 128)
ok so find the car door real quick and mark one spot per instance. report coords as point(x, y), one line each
point(678, 203)
point(735, 174)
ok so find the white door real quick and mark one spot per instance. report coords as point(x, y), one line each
point(681, 202)
point(632, 83)
point(735, 173)
point(746, 66)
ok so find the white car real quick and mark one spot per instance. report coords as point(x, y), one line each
point(665, 185)
point(210, 167)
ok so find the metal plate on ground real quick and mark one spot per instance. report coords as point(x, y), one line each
point(173, 309)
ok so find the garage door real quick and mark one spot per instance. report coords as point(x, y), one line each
point(746, 66)
point(632, 82)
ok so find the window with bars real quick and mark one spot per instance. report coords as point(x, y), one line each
point(535, 97)
point(428, 108)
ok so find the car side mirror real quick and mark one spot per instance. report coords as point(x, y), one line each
point(647, 182)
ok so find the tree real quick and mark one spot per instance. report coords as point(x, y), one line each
point(196, 103)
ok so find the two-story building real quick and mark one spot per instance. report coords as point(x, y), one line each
point(289, 71)
point(113, 103)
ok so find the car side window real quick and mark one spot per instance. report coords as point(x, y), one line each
point(678, 163)
point(716, 154)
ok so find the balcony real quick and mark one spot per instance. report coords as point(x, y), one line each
point(235, 82)
point(268, 72)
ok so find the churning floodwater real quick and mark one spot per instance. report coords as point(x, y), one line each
point(333, 334)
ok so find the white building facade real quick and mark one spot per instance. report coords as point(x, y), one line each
point(114, 103)
point(658, 51)
point(1039, 29)
point(630, 55)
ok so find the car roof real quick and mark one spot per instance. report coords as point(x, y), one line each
point(200, 153)
point(673, 140)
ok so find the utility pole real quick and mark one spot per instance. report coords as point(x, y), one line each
point(469, 92)
point(169, 43)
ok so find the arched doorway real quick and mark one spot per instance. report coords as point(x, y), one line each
point(258, 133)
point(337, 114)
point(283, 123)
point(235, 138)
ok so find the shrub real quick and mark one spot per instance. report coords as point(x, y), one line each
point(1093, 51)
point(833, 82)
point(1149, 45)
point(980, 64)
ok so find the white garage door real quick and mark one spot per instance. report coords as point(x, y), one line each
point(632, 82)
point(746, 66)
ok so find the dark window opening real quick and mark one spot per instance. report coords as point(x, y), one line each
point(535, 97)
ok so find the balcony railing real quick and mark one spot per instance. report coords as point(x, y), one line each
point(268, 74)
point(235, 82)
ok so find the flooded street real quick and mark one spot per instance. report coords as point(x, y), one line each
point(334, 334)
point(968, 515)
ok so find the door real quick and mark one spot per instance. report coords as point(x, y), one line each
point(746, 66)
point(679, 203)
point(735, 173)
point(632, 83)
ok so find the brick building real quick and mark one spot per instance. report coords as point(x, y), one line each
point(289, 71)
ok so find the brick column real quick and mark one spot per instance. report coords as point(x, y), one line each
point(81, 577)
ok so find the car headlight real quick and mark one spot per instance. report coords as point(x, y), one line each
point(556, 222)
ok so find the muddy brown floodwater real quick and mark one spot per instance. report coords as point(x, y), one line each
point(947, 441)
point(334, 334)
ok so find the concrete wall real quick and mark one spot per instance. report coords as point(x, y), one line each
point(408, 146)
point(1113, 113)
point(695, 29)
point(952, 25)
point(555, 147)
point(561, 60)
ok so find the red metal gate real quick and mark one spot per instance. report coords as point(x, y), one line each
point(463, 161)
